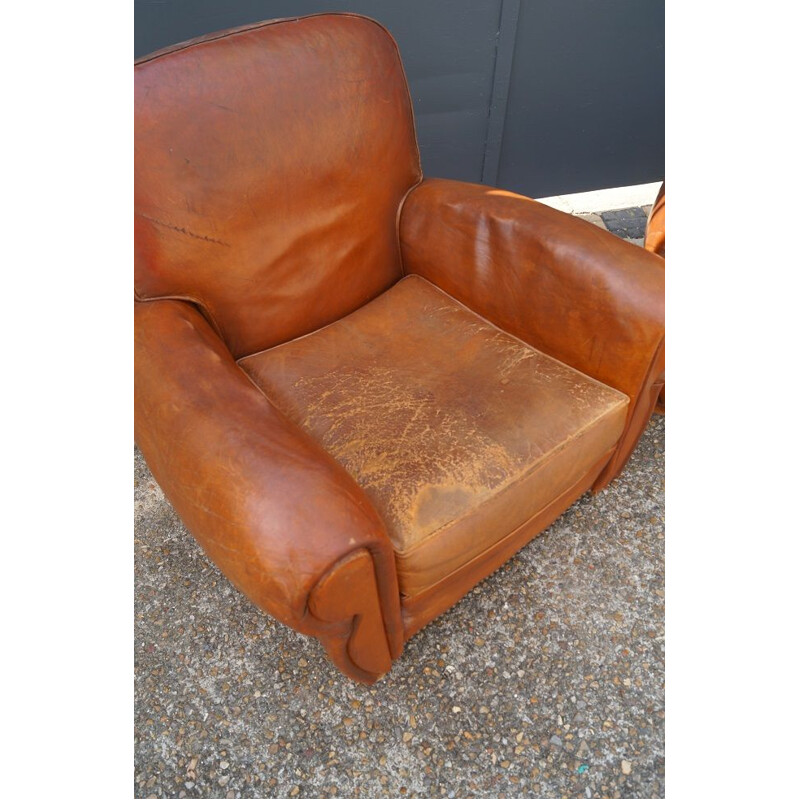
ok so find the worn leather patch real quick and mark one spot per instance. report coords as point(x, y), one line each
point(457, 431)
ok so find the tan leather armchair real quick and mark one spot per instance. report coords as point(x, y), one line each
point(363, 391)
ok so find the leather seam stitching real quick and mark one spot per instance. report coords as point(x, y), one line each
point(398, 223)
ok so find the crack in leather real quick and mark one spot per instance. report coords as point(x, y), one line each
point(185, 231)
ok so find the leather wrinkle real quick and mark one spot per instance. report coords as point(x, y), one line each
point(194, 301)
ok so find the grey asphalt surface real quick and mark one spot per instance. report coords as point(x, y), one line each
point(547, 680)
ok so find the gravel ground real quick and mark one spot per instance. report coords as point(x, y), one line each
point(547, 680)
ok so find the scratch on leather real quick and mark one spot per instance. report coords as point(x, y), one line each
point(184, 231)
point(421, 464)
point(424, 453)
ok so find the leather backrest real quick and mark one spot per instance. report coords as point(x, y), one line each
point(271, 162)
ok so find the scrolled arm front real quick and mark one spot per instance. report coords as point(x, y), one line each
point(283, 520)
point(563, 285)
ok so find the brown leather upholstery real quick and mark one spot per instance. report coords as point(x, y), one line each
point(353, 448)
point(456, 431)
point(270, 165)
point(270, 507)
point(561, 284)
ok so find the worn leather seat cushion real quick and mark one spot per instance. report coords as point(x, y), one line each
point(457, 431)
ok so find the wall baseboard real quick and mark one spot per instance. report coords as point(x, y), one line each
point(642, 194)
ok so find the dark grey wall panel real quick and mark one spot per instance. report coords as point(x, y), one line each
point(447, 46)
point(574, 87)
point(586, 104)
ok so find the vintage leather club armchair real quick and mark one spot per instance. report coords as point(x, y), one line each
point(363, 391)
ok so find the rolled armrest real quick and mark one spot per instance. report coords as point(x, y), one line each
point(277, 514)
point(563, 285)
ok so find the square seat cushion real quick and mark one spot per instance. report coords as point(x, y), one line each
point(457, 431)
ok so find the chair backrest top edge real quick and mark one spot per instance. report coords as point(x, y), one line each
point(227, 32)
